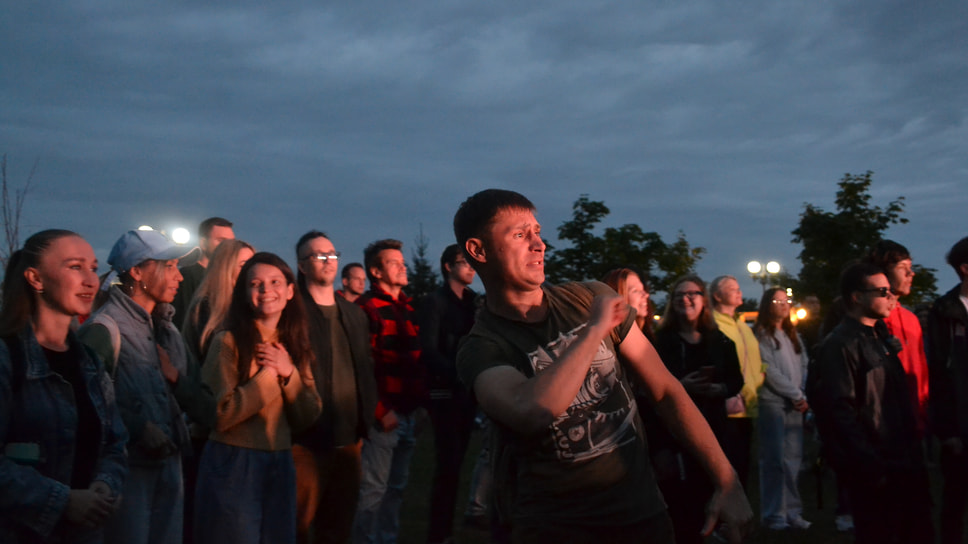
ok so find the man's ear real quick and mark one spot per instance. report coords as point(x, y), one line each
point(964, 269)
point(475, 248)
point(376, 273)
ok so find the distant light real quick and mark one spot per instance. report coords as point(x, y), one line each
point(145, 227)
point(754, 267)
point(180, 236)
point(772, 267)
point(789, 292)
point(801, 313)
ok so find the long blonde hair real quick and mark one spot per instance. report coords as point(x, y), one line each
point(214, 294)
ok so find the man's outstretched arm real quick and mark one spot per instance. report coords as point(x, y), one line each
point(687, 424)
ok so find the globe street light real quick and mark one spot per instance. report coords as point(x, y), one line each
point(759, 274)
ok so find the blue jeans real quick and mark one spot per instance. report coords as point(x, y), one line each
point(152, 506)
point(386, 465)
point(245, 496)
point(781, 451)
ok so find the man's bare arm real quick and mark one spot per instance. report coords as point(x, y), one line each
point(680, 415)
point(529, 405)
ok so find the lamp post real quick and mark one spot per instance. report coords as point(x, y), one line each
point(762, 274)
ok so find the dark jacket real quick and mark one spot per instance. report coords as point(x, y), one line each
point(444, 319)
point(721, 355)
point(947, 350)
point(859, 394)
point(38, 412)
point(355, 326)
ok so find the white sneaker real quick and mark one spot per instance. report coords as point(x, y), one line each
point(799, 523)
point(844, 523)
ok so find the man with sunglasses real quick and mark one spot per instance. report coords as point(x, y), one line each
point(859, 393)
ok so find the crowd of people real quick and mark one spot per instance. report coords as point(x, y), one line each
point(235, 400)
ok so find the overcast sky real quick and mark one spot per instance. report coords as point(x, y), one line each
point(369, 119)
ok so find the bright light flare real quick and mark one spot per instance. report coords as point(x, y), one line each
point(180, 236)
point(754, 267)
point(772, 267)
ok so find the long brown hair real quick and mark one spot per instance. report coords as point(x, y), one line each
point(291, 327)
point(19, 301)
point(671, 318)
point(766, 324)
point(617, 279)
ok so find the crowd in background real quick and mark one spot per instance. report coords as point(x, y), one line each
point(236, 400)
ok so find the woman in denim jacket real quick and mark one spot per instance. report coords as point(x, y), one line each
point(134, 335)
point(62, 462)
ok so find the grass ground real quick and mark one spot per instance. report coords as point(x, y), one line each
point(820, 512)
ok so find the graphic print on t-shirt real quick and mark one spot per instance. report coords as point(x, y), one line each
point(601, 418)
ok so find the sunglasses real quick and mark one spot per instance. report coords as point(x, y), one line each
point(879, 292)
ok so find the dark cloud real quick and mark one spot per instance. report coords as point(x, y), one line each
point(372, 119)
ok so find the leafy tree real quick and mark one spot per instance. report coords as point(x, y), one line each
point(832, 240)
point(421, 276)
point(11, 208)
point(591, 257)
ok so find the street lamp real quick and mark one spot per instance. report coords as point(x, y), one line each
point(761, 275)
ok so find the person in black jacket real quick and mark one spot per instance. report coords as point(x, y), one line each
point(327, 455)
point(859, 394)
point(704, 360)
point(445, 317)
point(947, 350)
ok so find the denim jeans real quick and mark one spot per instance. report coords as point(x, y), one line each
point(781, 452)
point(480, 488)
point(386, 465)
point(245, 496)
point(152, 506)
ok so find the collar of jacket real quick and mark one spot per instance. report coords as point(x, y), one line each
point(949, 305)
point(376, 292)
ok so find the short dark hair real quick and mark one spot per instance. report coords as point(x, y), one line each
point(958, 255)
point(205, 227)
point(311, 235)
point(345, 274)
point(477, 212)
point(886, 253)
point(448, 257)
point(373, 250)
point(854, 278)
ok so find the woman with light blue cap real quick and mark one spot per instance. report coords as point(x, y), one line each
point(146, 356)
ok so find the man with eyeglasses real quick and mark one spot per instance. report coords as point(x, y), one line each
point(867, 422)
point(402, 391)
point(327, 455)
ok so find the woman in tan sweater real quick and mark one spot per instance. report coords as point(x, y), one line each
point(259, 369)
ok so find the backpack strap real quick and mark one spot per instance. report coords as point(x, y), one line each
point(111, 325)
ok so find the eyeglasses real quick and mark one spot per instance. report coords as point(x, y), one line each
point(323, 257)
point(784, 301)
point(690, 294)
point(879, 292)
